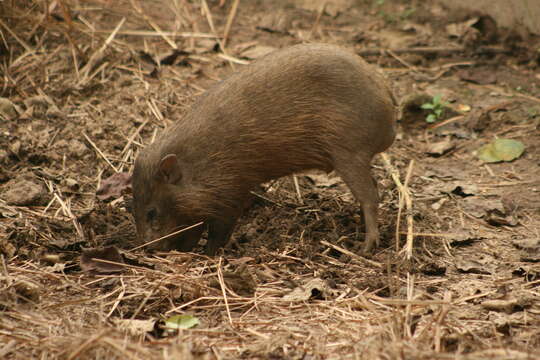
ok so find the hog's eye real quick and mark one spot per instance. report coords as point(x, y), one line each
point(151, 215)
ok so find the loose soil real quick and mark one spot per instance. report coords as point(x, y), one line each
point(85, 85)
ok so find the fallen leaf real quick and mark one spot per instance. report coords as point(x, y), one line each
point(332, 8)
point(529, 249)
point(114, 185)
point(433, 268)
point(56, 268)
point(460, 189)
point(506, 306)
point(177, 322)
point(22, 192)
point(276, 22)
point(135, 326)
point(530, 273)
point(112, 260)
point(530, 244)
point(477, 76)
point(440, 148)
point(501, 150)
point(532, 257)
point(463, 237)
point(522, 301)
point(438, 204)
point(498, 218)
point(464, 108)
point(493, 210)
point(324, 180)
point(27, 290)
point(459, 30)
point(205, 46)
point(471, 266)
point(454, 128)
point(8, 109)
point(314, 288)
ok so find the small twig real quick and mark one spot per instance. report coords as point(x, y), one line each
point(351, 254)
point(266, 199)
point(70, 29)
point(232, 60)
point(256, 333)
point(153, 25)
point(447, 121)
point(145, 300)
point(166, 236)
point(408, 202)
point(429, 50)
point(501, 91)
point(147, 33)
point(403, 62)
point(317, 19)
point(100, 153)
point(297, 188)
point(213, 28)
point(154, 109)
point(69, 214)
point(230, 20)
point(5, 274)
point(222, 285)
point(448, 235)
point(98, 55)
point(118, 299)
point(404, 199)
point(410, 296)
point(440, 319)
point(27, 47)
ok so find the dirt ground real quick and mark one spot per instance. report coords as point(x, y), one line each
point(84, 85)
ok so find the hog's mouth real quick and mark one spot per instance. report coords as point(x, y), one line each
point(182, 238)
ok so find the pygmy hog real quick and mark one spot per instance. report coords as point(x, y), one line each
point(309, 106)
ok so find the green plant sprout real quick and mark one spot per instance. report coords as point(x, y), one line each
point(437, 108)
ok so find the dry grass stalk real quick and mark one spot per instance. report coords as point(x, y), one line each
point(23, 43)
point(98, 56)
point(352, 255)
point(230, 20)
point(99, 152)
point(210, 20)
point(315, 26)
point(67, 212)
point(405, 200)
point(297, 189)
point(158, 30)
point(147, 33)
point(223, 291)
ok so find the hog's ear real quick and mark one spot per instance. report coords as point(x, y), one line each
point(169, 169)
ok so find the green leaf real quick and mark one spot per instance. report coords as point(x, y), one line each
point(427, 106)
point(431, 118)
point(501, 150)
point(176, 322)
point(437, 99)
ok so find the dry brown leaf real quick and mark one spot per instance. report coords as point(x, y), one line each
point(114, 185)
point(104, 260)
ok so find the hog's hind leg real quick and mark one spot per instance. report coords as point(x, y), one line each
point(356, 173)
